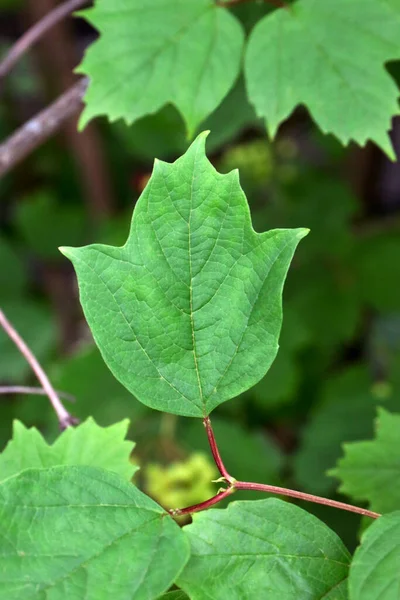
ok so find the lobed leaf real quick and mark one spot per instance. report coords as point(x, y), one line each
point(323, 55)
point(87, 444)
point(83, 533)
point(187, 314)
point(185, 52)
point(263, 549)
point(370, 470)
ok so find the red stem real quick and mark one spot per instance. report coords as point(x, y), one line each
point(273, 489)
point(202, 505)
point(215, 452)
point(260, 487)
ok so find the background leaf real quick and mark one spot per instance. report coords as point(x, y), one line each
point(374, 571)
point(322, 55)
point(346, 413)
point(87, 444)
point(187, 314)
point(266, 549)
point(187, 54)
point(83, 533)
point(370, 471)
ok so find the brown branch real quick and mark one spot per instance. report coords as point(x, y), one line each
point(63, 416)
point(38, 129)
point(36, 32)
point(57, 56)
point(34, 391)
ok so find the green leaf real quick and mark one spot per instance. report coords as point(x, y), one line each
point(280, 383)
point(263, 549)
point(323, 55)
point(35, 325)
point(98, 393)
point(163, 134)
point(88, 444)
point(148, 55)
point(374, 571)
point(83, 533)
point(371, 470)
point(345, 413)
point(187, 314)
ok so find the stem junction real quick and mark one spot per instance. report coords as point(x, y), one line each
point(234, 485)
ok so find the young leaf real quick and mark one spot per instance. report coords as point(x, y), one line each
point(187, 314)
point(374, 571)
point(264, 549)
point(88, 444)
point(329, 56)
point(371, 470)
point(83, 533)
point(149, 54)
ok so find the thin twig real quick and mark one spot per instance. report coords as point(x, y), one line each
point(41, 127)
point(35, 391)
point(63, 416)
point(260, 487)
point(36, 32)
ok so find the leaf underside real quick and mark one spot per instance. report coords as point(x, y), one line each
point(328, 55)
point(187, 313)
point(184, 52)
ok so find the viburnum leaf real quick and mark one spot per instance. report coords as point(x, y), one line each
point(263, 549)
point(84, 533)
point(371, 470)
point(185, 52)
point(328, 55)
point(374, 571)
point(188, 312)
point(87, 444)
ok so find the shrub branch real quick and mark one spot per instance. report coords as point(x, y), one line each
point(63, 416)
